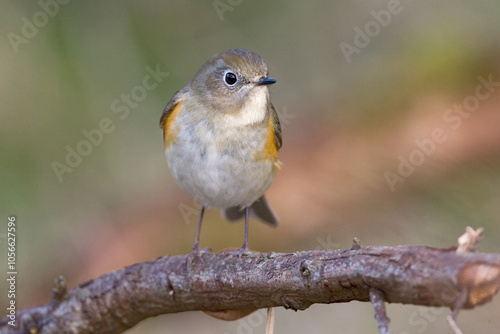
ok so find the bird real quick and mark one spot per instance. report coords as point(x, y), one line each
point(222, 135)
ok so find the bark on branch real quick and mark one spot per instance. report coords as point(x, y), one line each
point(118, 300)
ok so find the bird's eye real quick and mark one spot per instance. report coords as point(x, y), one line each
point(230, 78)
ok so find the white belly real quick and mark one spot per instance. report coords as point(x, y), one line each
point(221, 173)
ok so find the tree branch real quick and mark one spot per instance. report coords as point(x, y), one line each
point(118, 300)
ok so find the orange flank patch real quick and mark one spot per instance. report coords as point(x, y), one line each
point(270, 151)
point(170, 130)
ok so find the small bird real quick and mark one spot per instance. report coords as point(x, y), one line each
point(222, 136)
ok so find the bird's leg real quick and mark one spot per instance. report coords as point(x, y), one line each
point(196, 245)
point(244, 248)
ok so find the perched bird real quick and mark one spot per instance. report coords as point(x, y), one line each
point(222, 136)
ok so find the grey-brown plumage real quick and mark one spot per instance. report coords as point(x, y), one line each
point(222, 135)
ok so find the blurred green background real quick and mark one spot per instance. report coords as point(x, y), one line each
point(354, 95)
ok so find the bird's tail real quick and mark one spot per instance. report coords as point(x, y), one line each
point(260, 209)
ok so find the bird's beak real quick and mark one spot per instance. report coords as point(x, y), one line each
point(265, 81)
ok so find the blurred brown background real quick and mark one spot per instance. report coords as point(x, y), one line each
point(360, 83)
